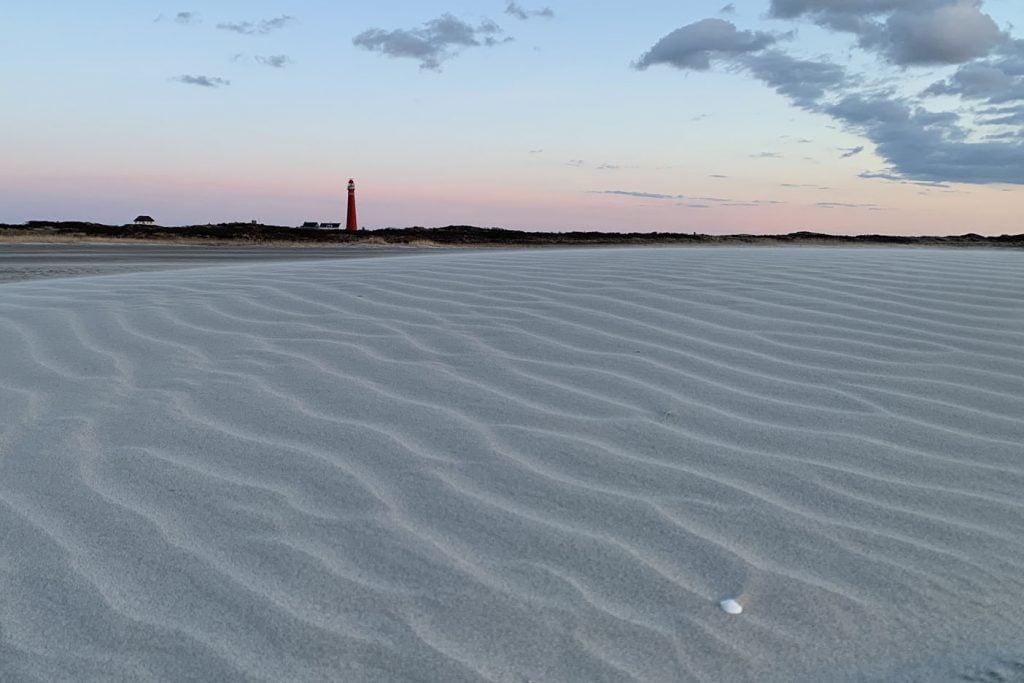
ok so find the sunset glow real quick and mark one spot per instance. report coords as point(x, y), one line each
point(754, 117)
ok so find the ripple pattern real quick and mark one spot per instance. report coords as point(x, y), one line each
point(518, 466)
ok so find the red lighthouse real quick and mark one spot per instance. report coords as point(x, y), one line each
point(351, 225)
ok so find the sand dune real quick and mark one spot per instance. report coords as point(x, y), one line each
point(518, 466)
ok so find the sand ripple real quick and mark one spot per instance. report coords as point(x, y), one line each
point(518, 466)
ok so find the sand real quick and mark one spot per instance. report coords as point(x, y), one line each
point(28, 260)
point(518, 466)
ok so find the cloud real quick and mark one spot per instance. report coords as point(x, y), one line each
point(846, 205)
point(694, 46)
point(889, 177)
point(274, 61)
point(905, 32)
point(685, 200)
point(728, 9)
point(752, 204)
point(766, 155)
point(981, 81)
point(517, 11)
point(1009, 135)
point(183, 18)
point(851, 152)
point(928, 146)
point(202, 81)
point(975, 80)
point(918, 143)
point(436, 41)
point(950, 34)
point(880, 176)
point(580, 163)
point(1010, 56)
point(1004, 116)
point(640, 195)
point(264, 26)
point(801, 80)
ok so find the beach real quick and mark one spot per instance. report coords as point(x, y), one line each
point(28, 260)
point(546, 465)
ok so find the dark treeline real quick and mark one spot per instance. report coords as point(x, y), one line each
point(463, 235)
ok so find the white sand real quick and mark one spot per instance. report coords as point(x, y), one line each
point(518, 466)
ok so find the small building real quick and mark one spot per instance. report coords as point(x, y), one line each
point(330, 226)
point(144, 220)
point(311, 224)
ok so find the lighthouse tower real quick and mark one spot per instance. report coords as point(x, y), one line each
point(351, 225)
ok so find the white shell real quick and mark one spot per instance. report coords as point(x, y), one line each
point(730, 606)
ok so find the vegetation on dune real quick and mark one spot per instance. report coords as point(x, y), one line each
point(461, 235)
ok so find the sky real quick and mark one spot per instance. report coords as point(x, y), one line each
point(756, 116)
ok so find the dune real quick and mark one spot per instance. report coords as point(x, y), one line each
point(518, 466)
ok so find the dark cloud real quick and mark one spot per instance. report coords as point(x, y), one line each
point(949, 34)
point(202, 81)
point(858, 110)
point(973, 81)
point(789, 9)
point(1009, 135)
point(905, 32)
point(517, 11)
point(436, 41)
point(864, 18)
point(981, 81)
point(694, 46)
point(851, 152)
point(274, 61)
point(1010, 57)
point(728, 9)
point(880, 176)
point(803, 81)
point(928, 146)
point(919, 145)
point(1004, 116)
point(248, 28)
